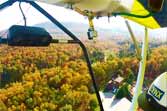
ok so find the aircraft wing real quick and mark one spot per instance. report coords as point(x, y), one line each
point(110, 7)
point(157, 20)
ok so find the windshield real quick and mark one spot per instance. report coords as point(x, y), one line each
point(57, 77)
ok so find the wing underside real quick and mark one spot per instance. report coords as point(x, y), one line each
point(108, 7)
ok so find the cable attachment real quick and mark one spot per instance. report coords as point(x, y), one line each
point(24, 17)
point(108, 15)
point(70, 5)
point(92, 33)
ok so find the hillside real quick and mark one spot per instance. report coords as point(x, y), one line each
point(80, 30)
point(115, 33)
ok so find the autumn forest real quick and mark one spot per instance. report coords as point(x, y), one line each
point(56, 78)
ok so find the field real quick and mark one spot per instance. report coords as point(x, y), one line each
point(56, 78)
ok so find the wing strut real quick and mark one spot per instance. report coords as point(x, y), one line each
point(141, 73)
point(134, 40)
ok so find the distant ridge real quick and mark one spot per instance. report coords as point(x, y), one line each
point(80, 30)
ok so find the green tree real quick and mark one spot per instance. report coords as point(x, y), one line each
point(124, 91)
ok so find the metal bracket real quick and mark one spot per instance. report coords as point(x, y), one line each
point(92, 33)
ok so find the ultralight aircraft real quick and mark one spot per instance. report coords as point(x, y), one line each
point(150, 13)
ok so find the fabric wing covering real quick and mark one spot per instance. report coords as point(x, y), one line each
point(107, 7)
point(157, 20)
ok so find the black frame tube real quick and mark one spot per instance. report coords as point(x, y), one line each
point(69, 33)
point(6, 4)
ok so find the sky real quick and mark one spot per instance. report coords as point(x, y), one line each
point(12, 15)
